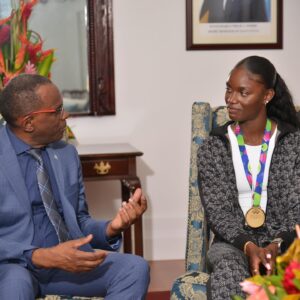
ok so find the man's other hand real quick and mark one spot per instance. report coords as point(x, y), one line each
point(68, 257)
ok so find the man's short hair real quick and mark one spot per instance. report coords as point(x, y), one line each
point(19, 97)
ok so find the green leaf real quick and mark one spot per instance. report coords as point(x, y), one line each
point(280, 292)
point(275, 280)
point(296, 282)
point(45, 65)
point(269, 294)
point(236, 298)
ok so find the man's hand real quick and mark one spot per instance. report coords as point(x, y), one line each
point(66, 256)
point(128, 214)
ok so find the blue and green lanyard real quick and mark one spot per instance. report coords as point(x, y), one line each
point(262, 160)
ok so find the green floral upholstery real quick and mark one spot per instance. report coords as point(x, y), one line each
point(192, 284)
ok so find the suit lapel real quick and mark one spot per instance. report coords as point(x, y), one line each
point(55, 161)
point(10, 168)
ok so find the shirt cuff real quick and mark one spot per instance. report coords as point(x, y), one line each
point(114, 242)
point(288, 238)
point(28, 255)
point(241, 240)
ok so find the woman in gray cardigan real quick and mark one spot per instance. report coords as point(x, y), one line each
point(249, 177)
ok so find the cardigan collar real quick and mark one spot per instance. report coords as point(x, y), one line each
point(283, 129)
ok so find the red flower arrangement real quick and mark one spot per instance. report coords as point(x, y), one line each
point(20, 48)
point(290, 276)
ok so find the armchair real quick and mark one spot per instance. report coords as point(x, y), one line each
point(192, 284)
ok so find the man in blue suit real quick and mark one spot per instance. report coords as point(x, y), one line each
point(34, 260)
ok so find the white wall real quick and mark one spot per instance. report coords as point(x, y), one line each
point(157, 81)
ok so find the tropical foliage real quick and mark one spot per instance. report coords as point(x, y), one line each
point(21, 49)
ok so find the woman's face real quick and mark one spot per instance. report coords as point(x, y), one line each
point(246, 96)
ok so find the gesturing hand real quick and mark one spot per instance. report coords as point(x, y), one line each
point(66, 256)
point(128, 214)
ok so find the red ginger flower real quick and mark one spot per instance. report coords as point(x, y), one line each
point(289, 276)
point(4, 34)
point(3, 21)
point(26, 10)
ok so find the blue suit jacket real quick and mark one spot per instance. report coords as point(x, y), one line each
point(16, 224)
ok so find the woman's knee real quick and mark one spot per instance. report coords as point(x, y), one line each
point(222, 253)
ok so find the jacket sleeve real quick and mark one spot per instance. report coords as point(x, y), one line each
point(218, 193)
point(15, 252)
point(285, 189)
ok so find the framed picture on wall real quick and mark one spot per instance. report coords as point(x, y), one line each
point(233, 24)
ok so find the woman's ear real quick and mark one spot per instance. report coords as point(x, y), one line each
point(269, 96)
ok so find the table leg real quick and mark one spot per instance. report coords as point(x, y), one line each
point(128, 186)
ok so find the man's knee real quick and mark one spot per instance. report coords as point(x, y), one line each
point(136, 266)
point(131, 279)
point(141, 267)
point(131, 271)
point(16, 282)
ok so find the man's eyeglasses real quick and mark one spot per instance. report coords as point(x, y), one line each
point(58, 111)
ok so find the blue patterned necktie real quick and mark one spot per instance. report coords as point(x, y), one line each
point(48, 198)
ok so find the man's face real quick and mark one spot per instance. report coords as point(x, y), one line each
point(49, 126)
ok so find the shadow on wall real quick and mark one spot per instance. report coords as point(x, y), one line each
point(144, 171)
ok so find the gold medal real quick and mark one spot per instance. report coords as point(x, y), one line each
point(255, 217)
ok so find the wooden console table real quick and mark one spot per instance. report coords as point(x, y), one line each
point(115, 162)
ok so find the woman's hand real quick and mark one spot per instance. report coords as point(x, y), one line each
point(257, 258)
point(271, 254)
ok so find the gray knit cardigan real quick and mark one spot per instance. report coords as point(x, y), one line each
point(219, 193)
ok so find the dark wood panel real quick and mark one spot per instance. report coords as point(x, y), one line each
point(101, 57)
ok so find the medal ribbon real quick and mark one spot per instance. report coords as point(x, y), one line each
point(262, 160)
